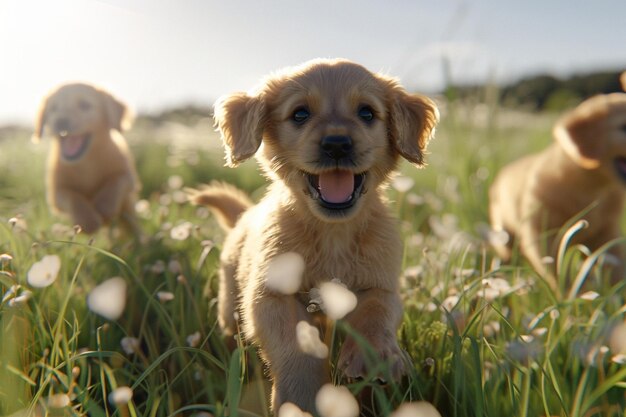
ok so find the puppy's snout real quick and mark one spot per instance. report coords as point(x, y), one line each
point(62, 126)
point(336, 147)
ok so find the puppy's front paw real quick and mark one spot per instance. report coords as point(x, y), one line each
point(354, 363)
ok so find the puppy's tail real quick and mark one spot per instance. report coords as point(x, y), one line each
point(224, 200)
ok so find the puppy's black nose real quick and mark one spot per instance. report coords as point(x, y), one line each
point(336, 147)
point(62, 126)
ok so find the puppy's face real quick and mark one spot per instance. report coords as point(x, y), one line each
point(76, 115)
point(330, 130)
point(594, 134)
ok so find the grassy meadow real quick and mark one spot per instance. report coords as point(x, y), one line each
point(486, 339)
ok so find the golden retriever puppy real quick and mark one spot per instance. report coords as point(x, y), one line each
point(328, 134)
point(90, 174)
point(584, 171)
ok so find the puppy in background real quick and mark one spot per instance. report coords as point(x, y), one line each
point(583, 171)
point(91, 174)
point(329, 133)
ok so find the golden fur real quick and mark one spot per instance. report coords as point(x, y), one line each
point(623, 80)
point(584, 170)
point(358, 244)
point(90, 174)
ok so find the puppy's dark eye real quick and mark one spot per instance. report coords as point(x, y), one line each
point(300, 115)
point(366, 113)
point(84, 105)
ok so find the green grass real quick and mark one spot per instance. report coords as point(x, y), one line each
point(521, 351)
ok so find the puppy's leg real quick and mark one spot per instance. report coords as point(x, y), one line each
point(376, 318)
point(297, 376)
point(78, 207)
point(112, 195)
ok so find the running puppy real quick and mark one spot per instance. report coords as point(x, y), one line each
point(91, 174)
point(584, 170)
point(328, 134)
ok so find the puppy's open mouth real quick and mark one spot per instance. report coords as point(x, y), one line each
point(620, 166)
point(74, 146)
point(338, 189)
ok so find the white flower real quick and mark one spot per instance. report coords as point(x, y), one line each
point(121, 396)
point(291, 410)
point(193, 340)
point(20, 299)
point(308, 338)
point(175, 182)
point(58, 400)
point(284, 273)
point(620, 358)
point(182, 231)
point(332, 401)
point(174, 266)
point(402, 184)
point(109, 298)
point(589, 296)
point(450, 302)
point(416, 409)
point(337, 300)
point(130, 345)
point(142, 207)
point(5, 258)
point(44, 272)
point(164, 296)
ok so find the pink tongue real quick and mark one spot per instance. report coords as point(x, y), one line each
point(336, 186)
point(72, 144)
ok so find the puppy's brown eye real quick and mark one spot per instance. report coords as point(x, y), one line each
point(84, 105)
point(300, 115)
point(366, 113)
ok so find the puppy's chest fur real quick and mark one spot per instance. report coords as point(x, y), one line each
point(362, 253)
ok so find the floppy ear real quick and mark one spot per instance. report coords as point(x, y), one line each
point(240, 119)
point(40, 120)
point(412, 124)
point(581, 131)
point(118, 115)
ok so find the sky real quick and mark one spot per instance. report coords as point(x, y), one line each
point(157, 54)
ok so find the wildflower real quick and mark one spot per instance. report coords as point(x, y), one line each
point(332, 401)
point(450, 302)
point(416, 409)
point(44, 272)
point(182, 231)
point(20, 299)
point(414, 199)
point(308, 338)
point(58, 401)
point(589, 296)
point(109, 298)
point(193, 340)
point(121, 396)
point(402, 184)
point(175, 182)
point(5, 258)
point(164, 296)
point(337, 300)
point(291, 410)
point(494, 288)
point(142, 207)
point(284, 273)
point(130, 345)
point(620, 359)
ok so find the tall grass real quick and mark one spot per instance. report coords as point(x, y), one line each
point(485, 339)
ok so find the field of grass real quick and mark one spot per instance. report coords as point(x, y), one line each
point(486, 339)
